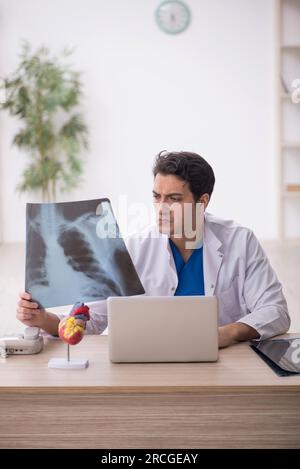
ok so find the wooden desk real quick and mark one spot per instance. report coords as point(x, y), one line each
point(236, 403)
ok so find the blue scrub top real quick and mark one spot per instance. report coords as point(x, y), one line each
point(190, 273)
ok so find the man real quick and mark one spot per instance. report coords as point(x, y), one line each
point(227, 261)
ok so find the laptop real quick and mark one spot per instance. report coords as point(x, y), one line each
point(162, 329)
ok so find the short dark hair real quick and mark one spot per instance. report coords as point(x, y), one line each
point(189, 167)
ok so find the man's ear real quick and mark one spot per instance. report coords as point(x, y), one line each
point(204, 199)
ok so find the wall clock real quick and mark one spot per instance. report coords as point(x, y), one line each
point(173, 16)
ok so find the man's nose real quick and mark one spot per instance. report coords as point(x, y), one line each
point(163, 208)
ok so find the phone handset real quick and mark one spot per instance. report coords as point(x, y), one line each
point(30, 342)
point(31, 333)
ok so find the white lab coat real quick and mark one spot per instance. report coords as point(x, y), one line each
point(236, 270)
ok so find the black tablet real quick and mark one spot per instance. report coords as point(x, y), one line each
point(282, 355)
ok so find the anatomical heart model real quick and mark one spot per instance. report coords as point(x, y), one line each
point(71, 330)
point(74, 252)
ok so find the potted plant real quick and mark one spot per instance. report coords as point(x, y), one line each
point(44, 94)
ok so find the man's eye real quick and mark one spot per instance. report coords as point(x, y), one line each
point(155, 196)
point(174, 199)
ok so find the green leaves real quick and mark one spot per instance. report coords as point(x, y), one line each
point(42, 93)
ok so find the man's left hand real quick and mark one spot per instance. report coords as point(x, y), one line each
point(236, 332)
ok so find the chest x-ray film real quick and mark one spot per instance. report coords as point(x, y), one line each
point(74, 252)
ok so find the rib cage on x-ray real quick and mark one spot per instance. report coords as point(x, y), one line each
point(74, 253)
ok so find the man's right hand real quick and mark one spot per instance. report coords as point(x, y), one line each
point(29, 313)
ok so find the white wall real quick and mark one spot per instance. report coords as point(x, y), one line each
point(209, 90)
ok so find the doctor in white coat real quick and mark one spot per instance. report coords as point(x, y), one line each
point(233, 265)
